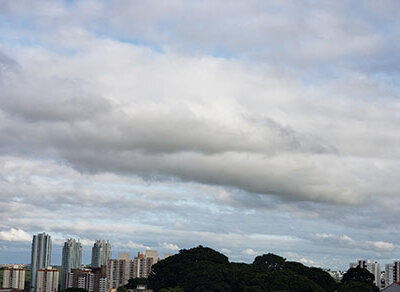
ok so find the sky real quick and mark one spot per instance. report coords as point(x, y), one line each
point(246, 126)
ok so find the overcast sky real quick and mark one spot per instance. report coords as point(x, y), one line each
point(246, 126)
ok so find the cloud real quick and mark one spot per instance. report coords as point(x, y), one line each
point(225, 251)
point(345, 241)
point(166, 118)
point(170, 246)
point(168, 132)
point(249, 251)
point(131, 245)
point(15, 234)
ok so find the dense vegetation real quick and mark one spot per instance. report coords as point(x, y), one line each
point(203, 269)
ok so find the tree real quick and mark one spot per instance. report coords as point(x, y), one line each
point(134, 282)
point(270, 261)
point(317, 275)
point(358, 280)
point(358, 275)
point(202, 269)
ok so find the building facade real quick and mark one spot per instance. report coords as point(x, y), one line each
point(47, 280)
point(41, 256)
point(141, 266)
point(118, 273)
point(71, 259)
point(124, 256)
point(392, 273)
point(101, 253)
point(93, 280)
point(14, 277)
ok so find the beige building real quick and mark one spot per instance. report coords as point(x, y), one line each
point(118, 273)
point(47, 280)
point(152, 254)
point(124, 256)
point(14, 277)
point(121, 270)
point(141, 266)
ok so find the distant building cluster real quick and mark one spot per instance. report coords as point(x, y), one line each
point(103, 274)
point(387, 279)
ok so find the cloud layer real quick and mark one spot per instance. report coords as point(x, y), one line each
point(158, 120)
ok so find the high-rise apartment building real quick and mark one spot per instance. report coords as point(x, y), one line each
point(101, 253)
point(71, 259)
point(41, 255)
point(47, 280)
point(141, 266)
point(392, 273)
point(375, 268)
point(389, 274)
point(14, 277)
point(118, 273)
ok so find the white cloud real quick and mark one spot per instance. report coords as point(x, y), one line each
point(130, 245)
point(225, 251)
point(346, 241)
point(249, 251)
point(15, 234)
point(170, 246)
point(177, 117)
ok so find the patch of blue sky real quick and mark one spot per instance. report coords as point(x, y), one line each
point(142, 43)
point(28, 42)
point(135, 41)
point(19, 42)
point(222, 53)
point(311, 80)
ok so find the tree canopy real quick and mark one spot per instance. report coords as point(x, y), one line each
point(203, 269)
point(358, 279)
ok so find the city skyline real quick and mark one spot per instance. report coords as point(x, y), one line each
point(246, 126)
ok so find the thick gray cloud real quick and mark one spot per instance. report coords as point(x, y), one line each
point(148, 122)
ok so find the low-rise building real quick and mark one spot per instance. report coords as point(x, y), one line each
point(93, 280)
point(47, 280)
point(14, 277)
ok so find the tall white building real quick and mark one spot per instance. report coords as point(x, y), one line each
point(389, 274)
point(375, 268)
point(392, 273)
point(47, 280)
point(14, 277)
point(71, 259)
point(41, 255)
point(101, 253)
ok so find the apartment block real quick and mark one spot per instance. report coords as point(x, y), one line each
point(93, 280)
point(47, 280)
point(14, 277)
